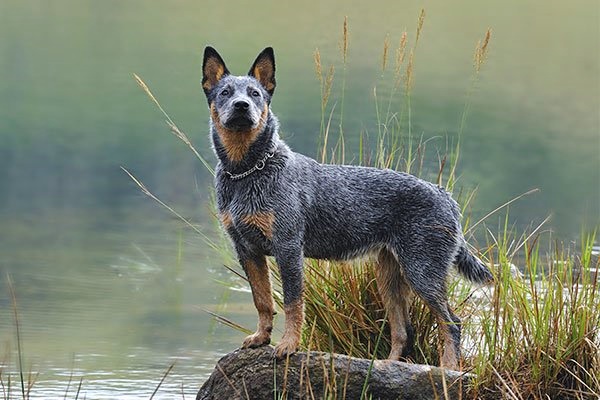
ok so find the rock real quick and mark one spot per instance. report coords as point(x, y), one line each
point(256, 374)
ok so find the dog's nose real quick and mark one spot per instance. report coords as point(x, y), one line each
point(241, 105)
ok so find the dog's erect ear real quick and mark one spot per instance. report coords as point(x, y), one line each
point(213, 69)
point(263, 69)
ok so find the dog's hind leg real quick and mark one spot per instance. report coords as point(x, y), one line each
point(259, 277)
point(449, 328)
point(396, 296)
point(429, 284)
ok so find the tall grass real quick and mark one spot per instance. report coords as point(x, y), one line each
point(538, 335)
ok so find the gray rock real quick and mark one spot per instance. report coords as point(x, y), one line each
point(256, 374)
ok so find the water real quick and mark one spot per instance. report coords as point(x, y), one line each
point(112, 288)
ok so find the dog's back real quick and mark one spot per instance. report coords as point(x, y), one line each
point(348, 211)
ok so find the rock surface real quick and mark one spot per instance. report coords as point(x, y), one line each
point(256, 374)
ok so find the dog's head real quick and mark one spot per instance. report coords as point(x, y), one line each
point(239, 104)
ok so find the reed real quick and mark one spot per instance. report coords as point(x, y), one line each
point(162, 380)
point(479, 57)
point(13, 297)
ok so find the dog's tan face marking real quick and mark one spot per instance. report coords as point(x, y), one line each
point(237, 143)
point(263, 221)
point(260, 282)
point(294, 318)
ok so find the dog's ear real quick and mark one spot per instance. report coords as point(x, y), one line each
point(213, 69)
point(263, 69)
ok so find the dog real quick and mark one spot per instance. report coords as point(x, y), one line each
point(275, 202)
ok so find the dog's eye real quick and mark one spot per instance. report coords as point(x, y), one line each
point(255, 93)
point(225, 92)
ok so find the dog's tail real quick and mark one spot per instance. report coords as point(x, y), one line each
point(472, 267)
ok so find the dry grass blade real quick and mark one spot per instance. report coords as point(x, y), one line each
point(531, 235)
point(79, 388)
point(495, 210)
point(326, 138)
point(328, 84)
point(344, 44)
point(174, 129)
point(318, 66)
point(13, 298)
point(228, 322)
point(400, 55)
point(386, 48)
point(409, 72)
point(508, 391)
point(179, 216)
point(233, 271)
point(420, 25)
point(229, 381)
point(481, 50)
point(577, 378)
point(162, 380)
point(4, 392)
point(31, 379)
point(69, 384)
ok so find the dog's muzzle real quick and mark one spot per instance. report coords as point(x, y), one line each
point(240, 118)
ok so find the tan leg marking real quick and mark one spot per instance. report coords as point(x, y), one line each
point(260, 283)
point(263, 221)
point(449, 357)
point(396, 296)
point(294, 318)
point(237, 143)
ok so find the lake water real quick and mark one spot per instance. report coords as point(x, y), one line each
point(112, 289)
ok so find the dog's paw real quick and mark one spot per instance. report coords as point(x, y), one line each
point(286, 348)
point(257, 339)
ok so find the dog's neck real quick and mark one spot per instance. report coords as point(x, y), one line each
point(265, 143)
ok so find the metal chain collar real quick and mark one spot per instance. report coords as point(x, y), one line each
point(257, 167)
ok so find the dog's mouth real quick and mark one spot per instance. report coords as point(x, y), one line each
point(240, 122)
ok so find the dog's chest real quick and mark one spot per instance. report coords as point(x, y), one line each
point(247, 214)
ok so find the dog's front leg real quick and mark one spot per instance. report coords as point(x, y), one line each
point(290, 267)
point(259, 277)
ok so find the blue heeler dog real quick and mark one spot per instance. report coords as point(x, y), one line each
point(274, 202)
